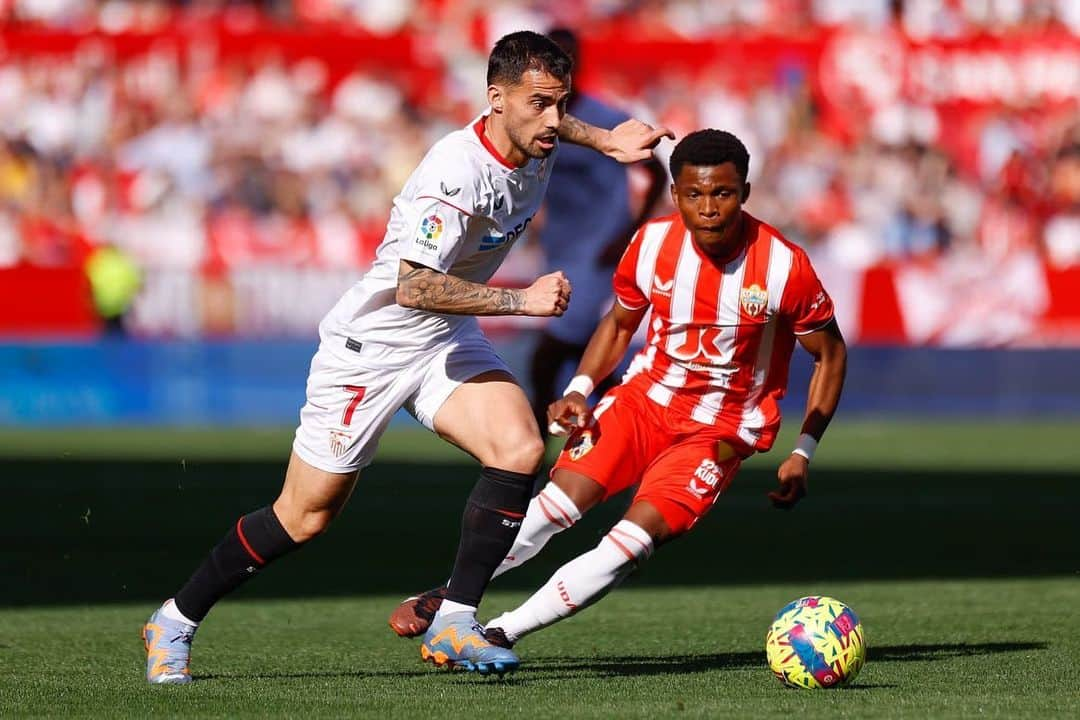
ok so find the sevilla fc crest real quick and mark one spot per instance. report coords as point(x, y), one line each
point(339, 442)
point(754, 300)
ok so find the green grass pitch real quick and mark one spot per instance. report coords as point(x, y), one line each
point(955, 543)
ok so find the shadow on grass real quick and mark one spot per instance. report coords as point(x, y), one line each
point(572, 668)
point(398, 674)
point(921, 653)
point(680, 664)
point(94, 532)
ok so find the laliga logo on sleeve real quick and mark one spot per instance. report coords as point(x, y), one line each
point(431, 227)
point(753, 300)
point(430, 230)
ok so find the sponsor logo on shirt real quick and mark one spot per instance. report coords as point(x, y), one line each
point(448, 192)
point(495, 240)
point(663, 288)
point(706, 477)
point(431, 229)
point(492, 242)
point(754, 300)
point(819, 300)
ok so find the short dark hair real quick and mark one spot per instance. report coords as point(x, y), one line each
point(517, 52)
point(710, 147)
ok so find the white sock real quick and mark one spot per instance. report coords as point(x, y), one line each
point(169, 610)
point(550, 512)
point(450, 607)
point(580, 582)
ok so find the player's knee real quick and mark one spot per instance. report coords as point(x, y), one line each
point(303, 525)
point(313, 524)
point(519, 452)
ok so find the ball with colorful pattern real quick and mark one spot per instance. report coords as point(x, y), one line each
point(815, 642)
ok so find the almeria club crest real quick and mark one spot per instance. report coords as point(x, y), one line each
point(580, 445)
point(754, 300)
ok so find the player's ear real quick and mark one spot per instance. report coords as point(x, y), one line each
point(496, 98)
point(674, 196)
point(745, 193)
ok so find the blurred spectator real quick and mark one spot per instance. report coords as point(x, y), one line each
point(114, 282)
point(192, 159)
point(1062, 231)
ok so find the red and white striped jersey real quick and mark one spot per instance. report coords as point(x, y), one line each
point(720, 336)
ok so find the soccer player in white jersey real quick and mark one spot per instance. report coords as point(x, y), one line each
point(406, 336)
point(729, 298)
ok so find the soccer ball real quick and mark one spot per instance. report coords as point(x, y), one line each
point(815, 642)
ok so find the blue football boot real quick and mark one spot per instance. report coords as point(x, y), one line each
point(168, 650)
point(457, 641)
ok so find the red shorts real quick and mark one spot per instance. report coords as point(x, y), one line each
point(682, 465)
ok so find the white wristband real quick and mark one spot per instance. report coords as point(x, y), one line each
point(580, 384)
point(806, 446)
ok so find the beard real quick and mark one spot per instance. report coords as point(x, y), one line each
point(529, 146)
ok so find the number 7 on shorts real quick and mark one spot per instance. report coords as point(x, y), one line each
point(357, 393)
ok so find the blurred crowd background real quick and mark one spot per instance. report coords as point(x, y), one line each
point(215, 167)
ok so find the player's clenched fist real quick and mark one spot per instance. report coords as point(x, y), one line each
point(549, 295)
point(567, 413)
point(792, 476)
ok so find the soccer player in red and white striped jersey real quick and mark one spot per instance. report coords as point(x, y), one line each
point(729, 298)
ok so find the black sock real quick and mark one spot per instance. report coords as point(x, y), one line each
point(256, 540)
point(489, 525)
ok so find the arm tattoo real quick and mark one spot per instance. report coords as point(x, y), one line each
point(575, 131)
point(426, 289)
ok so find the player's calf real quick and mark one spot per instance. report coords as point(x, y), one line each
point(255, 541)
point(579, 583)
point(549, 513)
point(491, 521)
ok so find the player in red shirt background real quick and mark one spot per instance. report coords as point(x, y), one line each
point(729, 298)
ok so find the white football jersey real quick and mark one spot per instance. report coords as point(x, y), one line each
point(459, 213)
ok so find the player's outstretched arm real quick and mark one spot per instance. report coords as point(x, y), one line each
point(826, 382)
point(606, 348)
point(627, 142)
point(422, 288)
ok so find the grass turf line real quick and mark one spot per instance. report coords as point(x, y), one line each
point(991, 648)
point(850, 442)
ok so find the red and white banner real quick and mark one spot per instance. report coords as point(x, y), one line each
point(962, 302)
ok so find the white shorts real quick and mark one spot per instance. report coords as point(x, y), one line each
point(353, 394)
